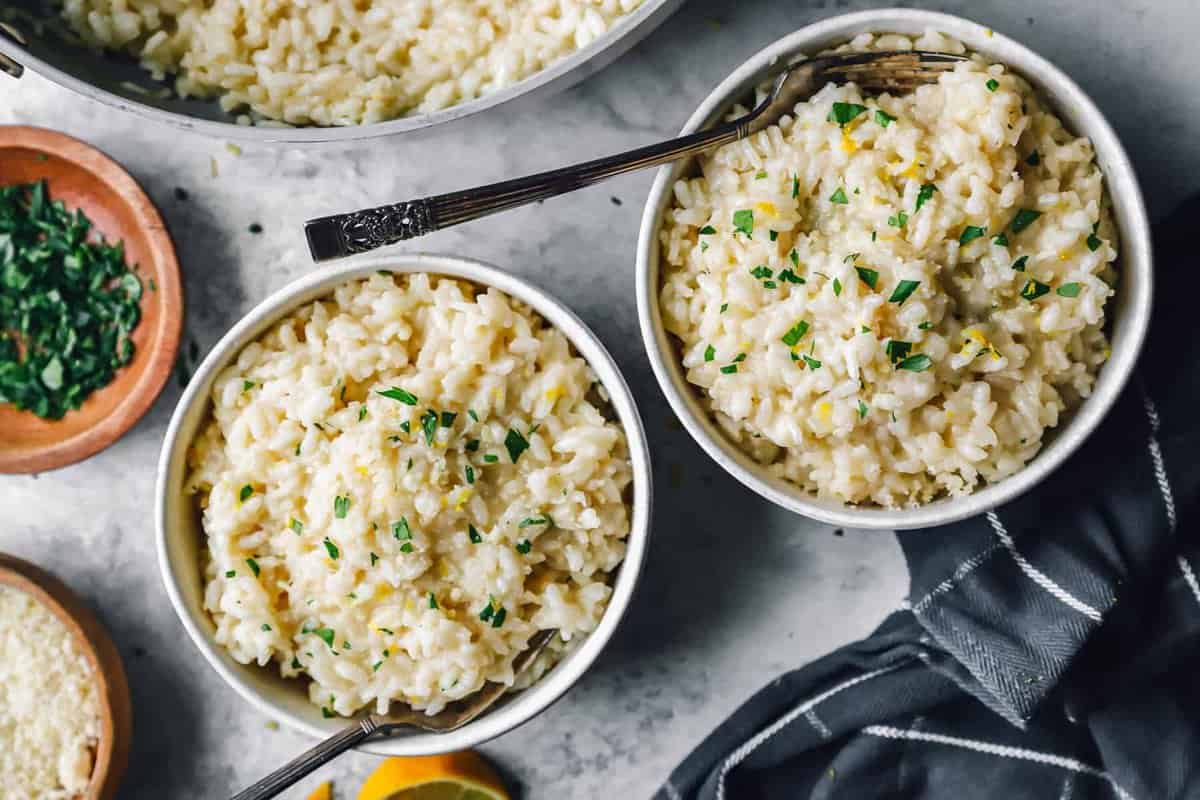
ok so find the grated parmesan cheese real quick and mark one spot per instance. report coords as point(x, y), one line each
point(50, 721)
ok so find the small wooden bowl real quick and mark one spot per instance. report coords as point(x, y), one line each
point(84, 178)
point(116, 712)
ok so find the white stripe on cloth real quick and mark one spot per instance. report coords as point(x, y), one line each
point(1160, 469)
point(1190, 577)
point(1037, 576)
point(739, 755)
point(964, 569)
point(1003, 750)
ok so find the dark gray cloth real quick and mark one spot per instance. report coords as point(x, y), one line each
point(1050, 649)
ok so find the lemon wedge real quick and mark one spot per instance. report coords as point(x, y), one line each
point(453, 776)
point(322, 792)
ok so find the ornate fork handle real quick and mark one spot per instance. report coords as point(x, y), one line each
point(359, 231)
point(309, 760)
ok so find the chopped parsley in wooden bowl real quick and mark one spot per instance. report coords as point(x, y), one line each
point(91, 305)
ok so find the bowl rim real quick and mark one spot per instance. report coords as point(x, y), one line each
point(573, 66)
point(1136, 267)
point(524, 705)
point(164, 345)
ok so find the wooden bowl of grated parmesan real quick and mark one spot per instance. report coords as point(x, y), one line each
point(67, 721)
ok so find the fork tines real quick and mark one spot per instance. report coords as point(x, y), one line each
point(889, 71)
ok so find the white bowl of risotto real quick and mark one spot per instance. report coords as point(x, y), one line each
point(898, 311)
point(385, 480)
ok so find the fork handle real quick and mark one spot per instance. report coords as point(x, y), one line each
point(309, 760)
point(359, 231)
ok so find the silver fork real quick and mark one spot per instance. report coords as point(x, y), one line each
point(450, 719)
point(359, 231)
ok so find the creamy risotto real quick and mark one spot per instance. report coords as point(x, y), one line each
point(890, 299)
point(342, 62)
point(401, 484)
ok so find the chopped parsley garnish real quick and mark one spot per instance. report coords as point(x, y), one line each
point(488, 611)
point(740, 357)
point(899, 220)
point(266, 627)
point(332, 549)
point(471, 413)
point(918, 363)
point(707, 230)
point(341, 505)
point(926, 325)
point(851, 257)
point(473, 534)
point(406, 426)
point(897, 350)
point(1094, 241)
point(297, 526)
point(839, 197)
point(923, 194)
point(1068, 290)
point(1000, 240)
point(811, 362)
point(1033, 159)
point(374, 559)
point(971, 233)
point(516, 444)
point(498, 618)
point(429, 425)
point(862, 410)
point(841, 113)
point(837, 288)
point(787, 276)
point(773, 235)
point(401, 530)
point(406, 547)
point(868, 276)
point(794, 257)
point(362, 413)
point(253, 565)
point(1019, 264)
point(524, 546)
point(491, 458)
point(729, 369)
point(770, 285)
point(245, 492)
point(472, 445)
point(326, 635)
point(710, 353)
point(795, 334)
point(470, 473)
point(903, 291)
point(230, 573)
point(1024, 218)
point(448, 418)
point(743, 220)
point(68, 304)
point(542, 520)
point(375, 667)
point(795, 186)
point(432, 600)
point(883, 118)
point(396, 393)
point(247, 385)
point(758, 176)
point(1032, 289)
point(992, 84)
point(762, 271)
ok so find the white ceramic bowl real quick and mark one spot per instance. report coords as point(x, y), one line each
point(1129, 310)
point(180, 538)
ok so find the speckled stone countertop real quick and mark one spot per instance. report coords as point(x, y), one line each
point(734, 591)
